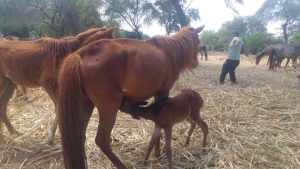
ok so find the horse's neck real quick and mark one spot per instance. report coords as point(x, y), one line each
point(174, 50)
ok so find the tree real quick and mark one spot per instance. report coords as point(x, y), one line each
point(254, 25)
point(211, 39)
point(184, 20)
point(231, 4)
point(257, 41)
point(16, 18)
point(285, 11)
point(165, 14)
point(130, 12)
point(67, 17)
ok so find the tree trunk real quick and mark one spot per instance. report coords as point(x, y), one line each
point(285, 35)
point(183, 20)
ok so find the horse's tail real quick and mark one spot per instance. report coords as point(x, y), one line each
point(69, 120)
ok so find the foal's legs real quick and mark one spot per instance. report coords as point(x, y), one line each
point(204, 129)
point(154, 139)
point(107, 118)
point(7, 90)
point(193, 125)
point(168, 137)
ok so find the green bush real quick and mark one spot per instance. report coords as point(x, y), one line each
point(15, 29)
point(295, 39)
point(257, 41)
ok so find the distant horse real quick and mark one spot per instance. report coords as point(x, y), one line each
point(35, 64)
point(165, 114)
point(102, 73)
point(203, 51)
point(277, 53)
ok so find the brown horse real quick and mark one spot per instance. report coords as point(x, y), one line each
point(35, 64)
point(103, 72)
point(165, 114)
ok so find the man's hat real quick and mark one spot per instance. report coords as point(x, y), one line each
point(236, 33)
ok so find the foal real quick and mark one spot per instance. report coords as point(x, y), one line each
point(165, 113)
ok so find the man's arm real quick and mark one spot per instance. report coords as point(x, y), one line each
point(234, 43)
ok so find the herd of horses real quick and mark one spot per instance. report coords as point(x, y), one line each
point(91, 70)
point(94, 70)
point(277, 53)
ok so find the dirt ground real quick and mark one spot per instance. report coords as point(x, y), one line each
point(254, 124)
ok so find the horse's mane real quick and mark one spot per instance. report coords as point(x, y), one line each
point(58, 48)
point(180, 47)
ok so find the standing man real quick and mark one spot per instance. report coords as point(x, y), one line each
point(233, 59)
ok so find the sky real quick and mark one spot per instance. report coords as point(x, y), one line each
point(213, 13)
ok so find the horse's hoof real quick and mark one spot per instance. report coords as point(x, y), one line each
point(145, 162)
point(15, 132)
point(50, 142)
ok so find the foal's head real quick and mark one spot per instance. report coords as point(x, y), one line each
point(94, 34)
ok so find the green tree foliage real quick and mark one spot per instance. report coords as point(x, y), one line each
point(67, 17)
point(48, 17)
point(16, 18)
point(212, 40)
point(295, 39)
point(285, 11)
point(130, 12)
point(164, 13)
point(257, 41)
point(254, 25)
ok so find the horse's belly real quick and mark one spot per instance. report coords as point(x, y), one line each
point(145, 91)
point(22, 80)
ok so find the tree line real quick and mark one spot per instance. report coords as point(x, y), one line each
point(57, 18)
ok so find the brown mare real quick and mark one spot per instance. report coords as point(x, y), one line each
point(203, 51)
point(165, 114)
point(102, 73)
point(35, 64)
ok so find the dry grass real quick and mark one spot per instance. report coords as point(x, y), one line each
point(254, 124)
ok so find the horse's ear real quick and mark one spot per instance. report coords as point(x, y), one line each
point(198, 30)
point(112, 29)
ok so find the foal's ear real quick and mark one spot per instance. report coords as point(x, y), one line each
point(198, 30)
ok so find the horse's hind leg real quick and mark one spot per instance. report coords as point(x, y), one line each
point(193, 125)
point(204, 129)
point(6, 94)
point(195, 116)
point(107, 118)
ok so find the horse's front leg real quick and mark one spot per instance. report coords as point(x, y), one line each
point(162, 96)
point(154, 139)
point(51, 90)
point(107, 117)
point(7, 89)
